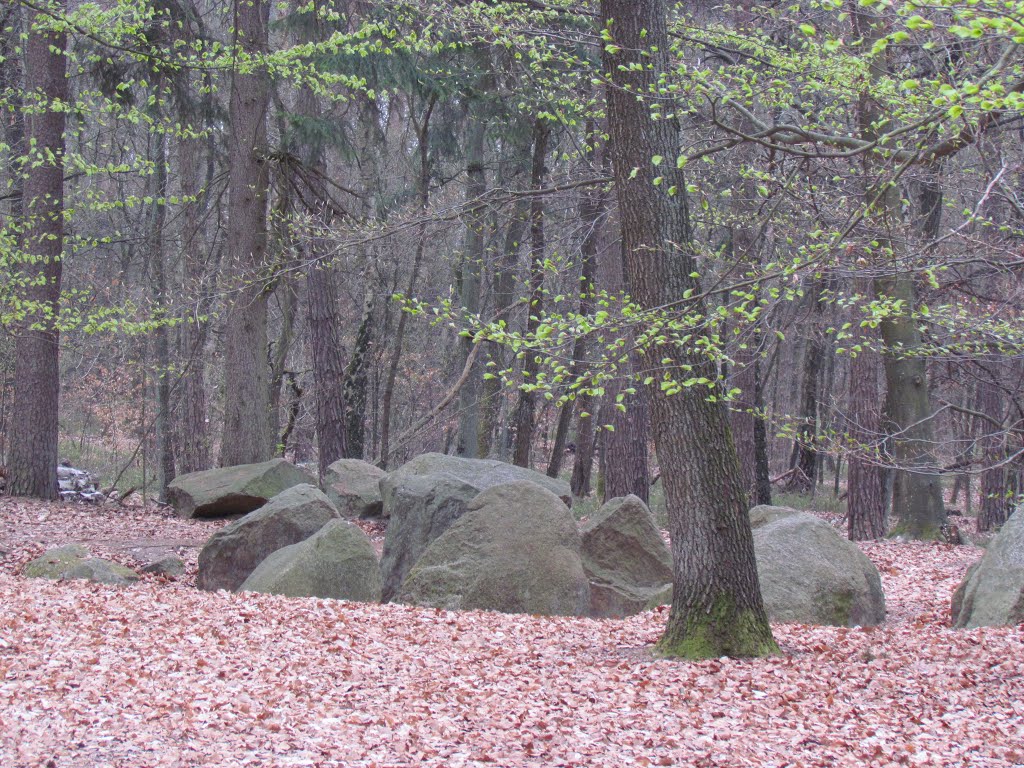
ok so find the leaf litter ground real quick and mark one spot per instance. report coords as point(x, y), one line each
point(161, 674)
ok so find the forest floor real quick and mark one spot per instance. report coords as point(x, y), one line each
point(162, 674)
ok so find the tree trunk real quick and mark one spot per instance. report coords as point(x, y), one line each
point(716, 604)
point(625, 465)
point(525, 408)
point(593, 204)
point(474, 251)
point(161, 340)
point(806, 454)
point(917, 494)
point(32, 458)
point(248, 435)
point(193, 443)
point(357, 378)
point(997, 501)
point(865, 478)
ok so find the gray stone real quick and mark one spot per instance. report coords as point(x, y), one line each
point(810, 574)
point(337, 562)
point(625, 558)
point(233, 490)
point(354, 487)
point(992, 592)
point(422, 508)
point(52, 563)
point(429, 493)
point(72, 561)
point(101, 572)
point(170, 565)
point(480, 473)
point(515, 550)
point(233, 552)
point(763, 514)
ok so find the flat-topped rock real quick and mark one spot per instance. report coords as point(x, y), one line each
point(234, 490)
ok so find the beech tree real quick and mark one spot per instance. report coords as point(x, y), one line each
point(716, 604)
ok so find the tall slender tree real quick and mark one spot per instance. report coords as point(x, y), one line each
point(247, 435)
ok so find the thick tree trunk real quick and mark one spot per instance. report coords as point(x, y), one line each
point(515, 164)
point(865, 478)
point(248, 435)
point(716, 605)
point(625, 464)
point(357, 378)
point(323, 320)
point(917, 491)
point(32, 459)
point(328, 363)
point(527, 398)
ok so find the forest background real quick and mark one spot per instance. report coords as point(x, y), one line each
point(356, 229)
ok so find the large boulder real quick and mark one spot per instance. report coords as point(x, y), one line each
point(354, 487)
point(72, 561)
point(992, 592)
point(233, 490)
point(422, 508)
point(337, 562)
point(810, 574)
point(423, 497)
point(625, 558)
point(515, 550)
point(233, 552)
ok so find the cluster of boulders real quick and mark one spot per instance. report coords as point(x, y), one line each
point(484, 535)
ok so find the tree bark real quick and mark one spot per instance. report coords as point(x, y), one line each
point(716, 605)
point(625, 464)
point(865, 478)
point(357, 378)
point(593, 205)
point(193, 443)
point(806, 455)
point(161, 334)
point(32, 458)
point(248, 435)
point(997, 501)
